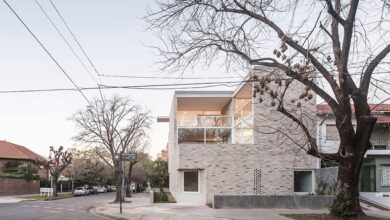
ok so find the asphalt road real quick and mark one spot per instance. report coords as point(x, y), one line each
point(75, 208)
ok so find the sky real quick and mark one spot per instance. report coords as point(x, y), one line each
point(116, 39)
point(114, 36)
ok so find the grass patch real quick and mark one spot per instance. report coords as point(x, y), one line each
point(45, 198)
point(324, 217)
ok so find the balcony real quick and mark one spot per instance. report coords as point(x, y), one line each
point(205, 129)
point(380, 143)
point(222, 121)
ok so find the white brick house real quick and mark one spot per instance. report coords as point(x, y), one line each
point(223, 143)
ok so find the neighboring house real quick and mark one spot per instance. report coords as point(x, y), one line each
point(375, 173)
point(13, 152)
point(163, 155)
point(215, 147)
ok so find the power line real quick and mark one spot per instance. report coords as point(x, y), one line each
point(110, 87)
point(168, 77)
point(170, 86)
point(64, 39)
point(210, 77)
point(75, 38)
point(46, 50)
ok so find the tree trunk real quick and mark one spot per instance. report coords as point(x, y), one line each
point(347, 203)
point(55, 182)
point(128, 190)
point(117, 183)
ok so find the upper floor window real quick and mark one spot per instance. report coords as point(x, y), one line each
point(332, 132)
point(231, 124)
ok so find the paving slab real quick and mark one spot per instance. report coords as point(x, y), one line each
point(140, 208)
point(10, 199)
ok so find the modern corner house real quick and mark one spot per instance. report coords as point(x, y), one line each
point(224, 143)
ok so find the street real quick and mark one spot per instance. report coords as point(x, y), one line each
point(72, 208)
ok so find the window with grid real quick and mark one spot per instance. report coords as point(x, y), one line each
point(385, 175)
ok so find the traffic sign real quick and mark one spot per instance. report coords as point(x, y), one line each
point(129, 157)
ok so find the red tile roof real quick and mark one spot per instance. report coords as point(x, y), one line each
point(13, 151)
point(375, 109)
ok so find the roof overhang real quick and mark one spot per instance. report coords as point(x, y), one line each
point(190, 169)
point(162, 119)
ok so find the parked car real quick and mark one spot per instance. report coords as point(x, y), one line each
point(80, 191)
point(113, 188)
point(101, 189)
point(92, 190)
point(108, 188)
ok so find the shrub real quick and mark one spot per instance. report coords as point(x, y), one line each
point(28, 171)
point(11, 166)
point(163, 194)
point(342, 209)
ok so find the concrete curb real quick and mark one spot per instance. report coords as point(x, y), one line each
point(93, 211)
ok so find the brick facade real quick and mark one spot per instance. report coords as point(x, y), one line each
point(9, 186)
point(265, 167)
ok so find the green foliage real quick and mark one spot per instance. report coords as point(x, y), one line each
point(163, 194)
point(157, 173)
point(11, 176)
point(343, 209)
point(19, 170)
point(11, 166)
point(28, 171)
point(88, 168)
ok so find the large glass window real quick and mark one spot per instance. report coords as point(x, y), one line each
point(191, 181)
point(218, 135)
point(190, 135)
point(303, 181)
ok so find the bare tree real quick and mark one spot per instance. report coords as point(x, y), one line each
point(88, 168)
point(334, 48)
point(57, 163)
point(113, 124)
point(137, 146)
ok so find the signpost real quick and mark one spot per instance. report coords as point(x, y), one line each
point(124, 157)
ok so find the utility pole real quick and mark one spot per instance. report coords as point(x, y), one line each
point(120, 193)
point(122, 158)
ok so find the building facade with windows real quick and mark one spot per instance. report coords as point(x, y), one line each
point(224, 143)
point(375, 173)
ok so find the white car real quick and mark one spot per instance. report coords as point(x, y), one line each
point(101, 190)
point(80, 191)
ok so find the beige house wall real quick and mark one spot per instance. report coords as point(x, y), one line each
point(228, 169)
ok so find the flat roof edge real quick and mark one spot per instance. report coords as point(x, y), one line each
point(180, 93)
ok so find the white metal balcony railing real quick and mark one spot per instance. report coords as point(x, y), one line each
point(223, 121)
point(380, 143)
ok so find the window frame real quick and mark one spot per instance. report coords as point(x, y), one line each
point(388, 167)
point(184, 171)
point(312, 181)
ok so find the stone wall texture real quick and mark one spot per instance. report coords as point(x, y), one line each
point(266, 202)
point(9, 186)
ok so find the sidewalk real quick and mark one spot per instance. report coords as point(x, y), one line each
point(11, 199)
point(140, 208)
